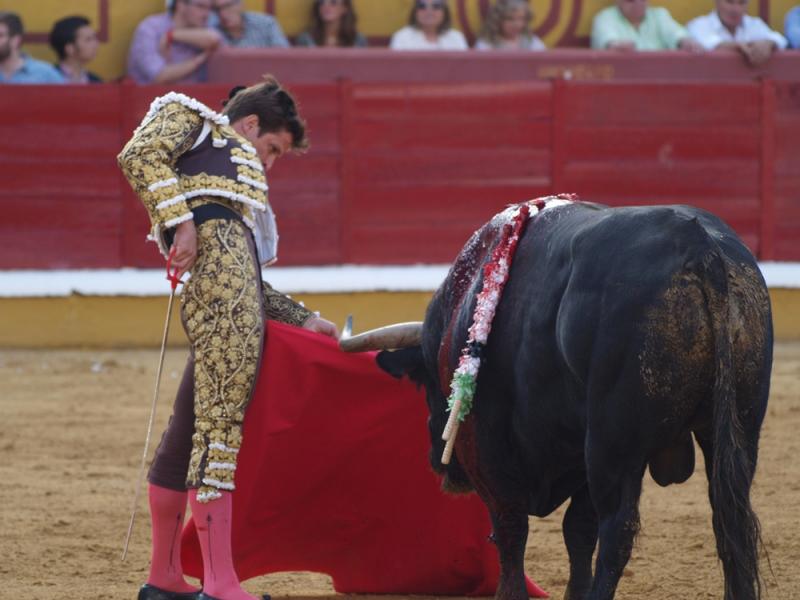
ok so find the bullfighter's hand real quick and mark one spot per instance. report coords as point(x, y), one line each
point(185, 245)
point(323, 326)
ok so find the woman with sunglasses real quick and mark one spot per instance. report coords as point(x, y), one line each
point(333, 24)
point(429, 28)
point(508, 27)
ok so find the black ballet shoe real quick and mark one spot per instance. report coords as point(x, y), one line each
point(151, 592)
point(203, 596)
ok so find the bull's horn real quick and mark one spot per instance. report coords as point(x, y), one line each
point(399, 335)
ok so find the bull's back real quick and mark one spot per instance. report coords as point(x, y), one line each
point(609, 305)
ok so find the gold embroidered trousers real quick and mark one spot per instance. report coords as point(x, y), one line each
point(221, 308)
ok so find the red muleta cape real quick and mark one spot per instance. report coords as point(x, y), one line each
point(333, 477)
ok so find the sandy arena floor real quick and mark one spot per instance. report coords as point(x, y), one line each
point(71, 434)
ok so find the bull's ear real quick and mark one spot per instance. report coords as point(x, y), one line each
point(398, 363)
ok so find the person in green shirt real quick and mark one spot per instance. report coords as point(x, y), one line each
point(632, 25)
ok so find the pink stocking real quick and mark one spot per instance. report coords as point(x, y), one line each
point(167, 510)
point(213, 522)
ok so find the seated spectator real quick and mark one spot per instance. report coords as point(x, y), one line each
point(173, 46)
point(792, 27)
point(508, 27)
point(246, 29)
point(728, 27)
point(76, 44)
point(632, 25)
point(333, 23)
point(15, 65)
point(429, 29)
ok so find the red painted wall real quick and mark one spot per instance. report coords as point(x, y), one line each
point(404, 172)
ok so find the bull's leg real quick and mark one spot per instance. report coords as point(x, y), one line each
point(615, 494)
point(580, 537)
point(511, 534)
point(738, 523)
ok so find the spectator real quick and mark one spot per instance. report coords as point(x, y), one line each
point(792, 27)
point(728, 27)
point(632, 25)
point(333, 23)
point(508, 27)
point(15, 65)
point(429, 29)
point(173, 46)
point(75, 43)
point(245, 29)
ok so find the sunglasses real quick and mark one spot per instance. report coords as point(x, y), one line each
point(430, 5)
point(330, 2)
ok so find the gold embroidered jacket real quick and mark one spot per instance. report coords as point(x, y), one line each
point(183, 155)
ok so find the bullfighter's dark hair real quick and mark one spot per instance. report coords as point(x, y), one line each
point(275, 108)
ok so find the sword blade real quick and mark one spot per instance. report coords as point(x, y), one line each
point(138, 484)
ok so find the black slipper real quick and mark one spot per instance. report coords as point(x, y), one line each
point(151, 592)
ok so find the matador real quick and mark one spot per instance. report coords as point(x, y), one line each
point(201, 175)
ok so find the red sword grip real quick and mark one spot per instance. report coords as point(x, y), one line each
point(172, 274)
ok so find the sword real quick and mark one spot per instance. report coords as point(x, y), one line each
point(172, 277)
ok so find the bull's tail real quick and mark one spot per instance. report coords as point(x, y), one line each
point(736, 526)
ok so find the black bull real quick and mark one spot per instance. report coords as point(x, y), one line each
point(621, 332)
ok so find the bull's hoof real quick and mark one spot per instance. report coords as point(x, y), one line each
point(576, 595)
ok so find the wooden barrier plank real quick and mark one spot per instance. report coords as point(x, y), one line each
point(649, 179)
point(665, 143)
point(328, 65)
point(427, 222)
point(786, 171)
point(673, 104)
point(60, 192)
point(51, 231)
point(431, 162)
point(460, 166)
point(404, 172)
point(453, 100)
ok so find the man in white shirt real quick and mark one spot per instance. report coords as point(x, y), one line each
point(729, 27)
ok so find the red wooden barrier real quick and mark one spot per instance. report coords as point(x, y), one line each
point(785, 236)
point(404, 172)
point(381, 65)
point(430, 162)
point(649, 143)
point(60, 193)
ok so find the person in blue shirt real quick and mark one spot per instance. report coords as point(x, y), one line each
point(15, 65)
point(76, 44)
point(792, 27)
